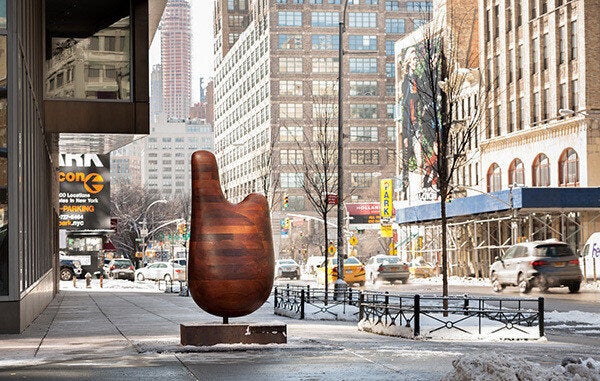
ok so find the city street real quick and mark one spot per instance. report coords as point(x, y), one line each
point(131, 330)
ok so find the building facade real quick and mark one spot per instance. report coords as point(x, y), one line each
point(156, 91)
point(167, 153)
point(276, 92)
point(176, 59)
point(60, 91)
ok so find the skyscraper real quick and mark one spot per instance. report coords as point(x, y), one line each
point(176, 38)
point(156, 91)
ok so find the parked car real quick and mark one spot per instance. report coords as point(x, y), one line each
point(161, 270)
point(540, 263)
point(121, 268)
point(590, 257)
point(180, 261)
point(69, 268)
point(386, 267)
point(287, 268)
point(354, 271)
point(420, 268)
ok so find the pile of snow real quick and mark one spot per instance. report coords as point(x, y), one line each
point(115, 285)
point(490, 367)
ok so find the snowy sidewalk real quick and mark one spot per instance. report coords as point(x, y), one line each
point(116, 333)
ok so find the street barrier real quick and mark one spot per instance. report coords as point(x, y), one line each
point(418, 316)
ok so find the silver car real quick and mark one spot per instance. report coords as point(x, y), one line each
point(386, 267)
point(287, 268)
point(541, 264)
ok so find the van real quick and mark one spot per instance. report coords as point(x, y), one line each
point(590, 257)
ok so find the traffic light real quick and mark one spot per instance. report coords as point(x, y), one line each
point(181, 228)
point(286, 201)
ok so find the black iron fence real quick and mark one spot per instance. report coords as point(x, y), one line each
point(416, 315)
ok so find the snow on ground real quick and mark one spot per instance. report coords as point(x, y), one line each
point(116, 285)
point(497, 366)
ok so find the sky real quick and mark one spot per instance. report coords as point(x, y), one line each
point(202, 45)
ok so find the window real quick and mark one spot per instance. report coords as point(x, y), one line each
point(291, 180)
point(290, 156)
point(362, 19)
point(392, 5)
point(512, 116)
point(521, 118)
point(521, 62)
point(364, 156)
point(290, 87)
point(516, 172)
point(418, 6)
point(361, 180)
point(363, 88)
point(573, 40)
point(389, 47)
point(562, 96)
point(363, 111)
point(291, 134)
point(324, 133)
point(394, 25)
point(325, 19)
point(562, 44)
point(287, 18)
point(290, 110)
point(546, 52)
point(535, 107)
point(358, 42)
point(324, 87)
point(391, 134)
point(574, 95)
point(535, 52)
point(541, 171)
point(324, 65)
point(363, 134)
point(389, 111)
point(390, 69)
point(494, 178)
point(290, 64)
point(325, 42)
point(290, 41)
point(325, 111)
point(363, 65)
point(390, 90)
point(568, 167)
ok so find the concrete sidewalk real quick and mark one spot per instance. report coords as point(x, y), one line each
point(127, 335)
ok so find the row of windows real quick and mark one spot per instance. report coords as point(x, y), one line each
point(357, 134)
point(296, 179)
point(357, 88)
point(321, 110)
point(357, 65)
point(568, 171)
point(390, 5)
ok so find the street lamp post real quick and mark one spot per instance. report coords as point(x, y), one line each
point(340, 285)
point(144, 230)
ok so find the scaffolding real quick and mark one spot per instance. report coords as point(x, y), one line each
point(475, 241)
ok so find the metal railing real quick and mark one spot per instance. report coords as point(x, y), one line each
point(466, 314)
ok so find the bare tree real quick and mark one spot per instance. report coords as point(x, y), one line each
point(437, 71)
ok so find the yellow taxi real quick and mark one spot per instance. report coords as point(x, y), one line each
point(354, 271)
point(419, 268)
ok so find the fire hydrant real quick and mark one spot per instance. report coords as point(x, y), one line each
point(101, 280)
point(88, 280)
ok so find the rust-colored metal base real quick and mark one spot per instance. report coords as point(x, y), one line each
point(212, 334)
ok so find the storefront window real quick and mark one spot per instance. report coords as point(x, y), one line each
point(3, 155)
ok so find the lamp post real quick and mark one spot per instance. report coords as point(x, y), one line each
point(340, 285)
point(144, 230)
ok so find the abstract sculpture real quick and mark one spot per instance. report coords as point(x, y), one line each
point(231, 264)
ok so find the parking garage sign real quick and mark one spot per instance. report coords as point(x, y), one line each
point(84, 197)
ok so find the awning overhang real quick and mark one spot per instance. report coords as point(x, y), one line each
point(520, 198)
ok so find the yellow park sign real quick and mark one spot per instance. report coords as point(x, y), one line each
point(386, 189)
point(331, 249)
point(353, 240)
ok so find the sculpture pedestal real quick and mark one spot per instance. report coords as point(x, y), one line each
point(211, 334)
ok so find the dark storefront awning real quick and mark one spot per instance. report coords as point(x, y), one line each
point(532, 199)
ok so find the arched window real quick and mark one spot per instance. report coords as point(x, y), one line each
point(494, 178)
point(516, 172)
point(541, 171)
point(568, 168)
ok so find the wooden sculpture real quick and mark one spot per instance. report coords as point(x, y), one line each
point(231, 266)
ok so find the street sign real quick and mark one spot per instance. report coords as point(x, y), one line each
point(353, 240)
point(139, 240)
point(331, 250)
point(386, 192)
point(332, 199)
point(387, 231)
point(143, 232)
